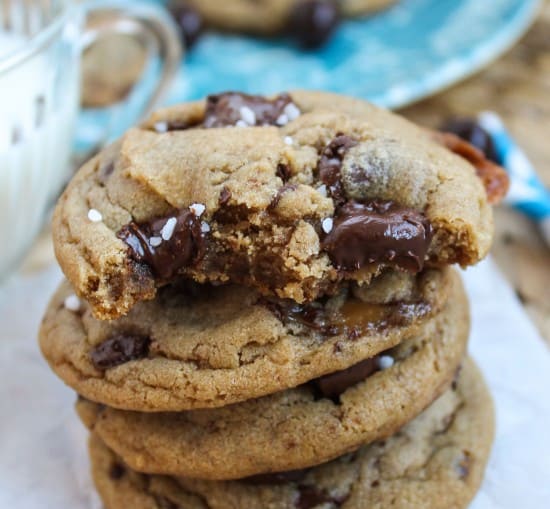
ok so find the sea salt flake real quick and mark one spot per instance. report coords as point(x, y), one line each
point(292, 111)
point(197, 209)
point(289, 140)
point(205, 227)
point(161, 127)
point(282, 120)
point(241, 123)
point(385, 362)
point(322, 190)
point(248, 115)
point(94, 216)
point(155, 241)
point(72, 303)
point(327, 224)
point(168, 229)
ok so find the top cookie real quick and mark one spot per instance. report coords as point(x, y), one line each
point(290, 195)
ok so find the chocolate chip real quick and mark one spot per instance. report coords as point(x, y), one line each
point(312, 22)
point(469, 130)
point(330, 164)
point(277, 477)
point(106, 170)
point(164, 503)
point(378, 232)
point(311, 496)
point(117, 471)
point(333, 385)
point(225, 196)
point(190, 22)
point(166, 244)
point(463, 465)
point(283, 172)
point(234, 108)
point(282, 190)
point(119, 350)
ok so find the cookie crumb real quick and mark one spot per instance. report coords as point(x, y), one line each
point(197, 209)
point(327, 224)
point(94, 216)
point(168, 229)
point(385, 362)
point(72, 303)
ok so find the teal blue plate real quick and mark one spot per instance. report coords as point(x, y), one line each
point(396, 57)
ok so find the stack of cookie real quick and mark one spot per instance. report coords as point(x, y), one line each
point(266, 314)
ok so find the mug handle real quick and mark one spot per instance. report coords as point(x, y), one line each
point(156, 31)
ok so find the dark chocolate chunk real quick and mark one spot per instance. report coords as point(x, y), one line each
point(285, 189)
point(117, 471)
point(283, 172)
point(225, 196)
point(469, 130)
point(333, 385)
point(277, 477)
point(190, 22)
point(231, 107)
point(166, 244)
point(378, 232)
point(312, 22)
point(118, 350)
point(330, 164)
point(464, 464)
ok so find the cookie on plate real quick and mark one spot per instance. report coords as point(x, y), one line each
point(290, 195)
point(434, 462)
point(198, 346)
point(305, 426)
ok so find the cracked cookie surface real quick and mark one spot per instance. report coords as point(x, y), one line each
point(305, 426)
point(436, 461)
point(265, 192)
point(201, 346)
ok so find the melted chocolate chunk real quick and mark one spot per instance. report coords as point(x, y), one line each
point(312, 22)
point(231, 107)
point(353, 319)
point(117, 471)
point(330, 164)
point(333, 385)
point(278, 477)
point(166, 244)
point(378, 232)
point(469, 130)
point(311, 496)
point(119, 350)
point(190, 22)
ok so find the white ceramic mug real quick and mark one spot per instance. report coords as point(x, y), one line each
point(41, 42)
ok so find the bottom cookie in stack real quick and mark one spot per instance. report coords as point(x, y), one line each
point(436, 461)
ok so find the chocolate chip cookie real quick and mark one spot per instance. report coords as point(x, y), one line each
point(200, 346)
point(291, 195)
point(310, 21)
point(306, 426)
point(434, 462)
